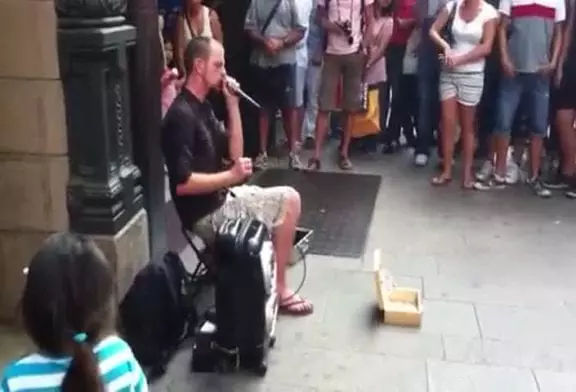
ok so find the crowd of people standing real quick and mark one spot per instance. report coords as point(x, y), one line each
point(493, 78)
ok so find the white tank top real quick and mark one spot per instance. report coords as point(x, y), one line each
point(206, 27)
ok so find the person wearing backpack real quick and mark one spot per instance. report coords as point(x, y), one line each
point(68, 312)
point(345, 22)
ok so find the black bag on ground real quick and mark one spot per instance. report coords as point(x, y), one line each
point(242, 330)
point(158, 312)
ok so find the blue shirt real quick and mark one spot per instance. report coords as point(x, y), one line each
point(119, 370)
point(315, 39)
point(305, 8)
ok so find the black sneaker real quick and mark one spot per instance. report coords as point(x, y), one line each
point(389, 148)
point(557, 181)
point(538, 188)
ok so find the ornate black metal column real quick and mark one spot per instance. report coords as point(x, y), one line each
point(104, 191)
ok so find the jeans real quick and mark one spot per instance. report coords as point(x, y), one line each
point(311, 111)
point(488, 108)
point(428, 79)
point(535, 89)
point(408, 107)
point(383, 104)
point(394, 64)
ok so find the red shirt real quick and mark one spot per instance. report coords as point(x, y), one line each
point(405, 9)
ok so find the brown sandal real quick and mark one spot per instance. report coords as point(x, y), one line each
point(295, 305)
point(344, 163)
point(314, 164)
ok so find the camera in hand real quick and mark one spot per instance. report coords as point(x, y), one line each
point(346, 27)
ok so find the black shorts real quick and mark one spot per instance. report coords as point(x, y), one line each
point(565, 94)
point(275, 86)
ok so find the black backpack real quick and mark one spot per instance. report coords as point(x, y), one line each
point(158, 312)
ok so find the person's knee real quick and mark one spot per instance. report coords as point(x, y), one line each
point(293, 203)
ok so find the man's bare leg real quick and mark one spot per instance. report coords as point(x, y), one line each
point(283, 239)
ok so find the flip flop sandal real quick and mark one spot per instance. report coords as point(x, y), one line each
point(469, 186)
point(314, 164)
point(295, 306)
point(441, 180)
point(344, 163)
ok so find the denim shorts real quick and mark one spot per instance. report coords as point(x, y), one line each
point(533, 90)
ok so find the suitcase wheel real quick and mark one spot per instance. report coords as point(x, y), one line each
point(272, 342)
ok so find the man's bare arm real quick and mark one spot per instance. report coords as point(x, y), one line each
point(203, 183)
point(235, 136)
point(503, 37)
point(327, 24)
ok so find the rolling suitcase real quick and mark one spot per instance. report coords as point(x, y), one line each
point(240, 333)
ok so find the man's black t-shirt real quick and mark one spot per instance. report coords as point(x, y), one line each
point(193, 141)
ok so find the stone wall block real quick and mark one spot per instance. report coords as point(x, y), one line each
point(29, 39)
point(33, 190)
point(32, 118)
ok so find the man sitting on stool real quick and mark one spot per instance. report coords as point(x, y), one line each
point(205, 192)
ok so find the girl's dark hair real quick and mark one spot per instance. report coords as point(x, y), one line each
point(69, 291)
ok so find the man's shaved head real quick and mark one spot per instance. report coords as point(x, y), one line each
point(204, 59)
point(199, 48)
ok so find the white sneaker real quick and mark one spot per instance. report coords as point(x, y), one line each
point(421, 160)
point(485, 171)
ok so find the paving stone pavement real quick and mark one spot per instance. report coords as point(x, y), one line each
point(496, 270)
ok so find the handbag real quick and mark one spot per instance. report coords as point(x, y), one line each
point(446, 32)
point(367, 122)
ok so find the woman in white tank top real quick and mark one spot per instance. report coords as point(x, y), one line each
point(195, 20)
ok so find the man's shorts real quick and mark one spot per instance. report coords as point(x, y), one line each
point(247, 201)
point(348, 69)
point(466, 87)
point(275, 86)
point(534, 89)
point(565, 94)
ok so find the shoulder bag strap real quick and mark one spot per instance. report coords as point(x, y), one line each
point(188, 24)
point(270, 17)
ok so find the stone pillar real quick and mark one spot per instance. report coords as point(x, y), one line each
point(105, 195)
point(33, 143)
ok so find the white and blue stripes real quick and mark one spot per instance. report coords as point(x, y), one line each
point(38, 373)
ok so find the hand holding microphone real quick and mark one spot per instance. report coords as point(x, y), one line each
point(231, 89)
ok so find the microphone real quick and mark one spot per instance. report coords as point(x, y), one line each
point(234, 86)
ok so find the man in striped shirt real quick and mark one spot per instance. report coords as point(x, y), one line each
point(119, 370)
point(530, 40)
